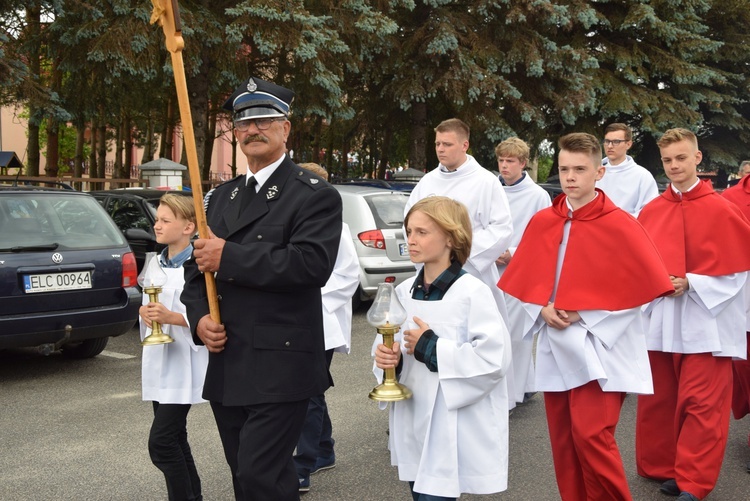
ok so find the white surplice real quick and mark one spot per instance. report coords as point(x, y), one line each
point(173, 373)
point(337, 295)
point(709, 318)
point(628, 185)
point(451, 437)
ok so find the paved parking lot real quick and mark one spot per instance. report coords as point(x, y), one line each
point(77, 430)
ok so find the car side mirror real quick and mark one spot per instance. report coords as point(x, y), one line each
point(138, 234)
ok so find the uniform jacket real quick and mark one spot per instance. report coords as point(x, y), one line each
point(277, 257)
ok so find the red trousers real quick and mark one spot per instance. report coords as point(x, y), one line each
point(741, 386)
point(582, 424)
point(681, 430)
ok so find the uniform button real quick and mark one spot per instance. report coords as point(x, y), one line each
point(287, 344)
point(260, 237)
point(299, 173)
point(219, 297)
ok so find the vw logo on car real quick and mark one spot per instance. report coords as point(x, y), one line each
point(57, 258)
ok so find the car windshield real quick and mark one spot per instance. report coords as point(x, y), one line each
point(32, 220)
point(388, 209)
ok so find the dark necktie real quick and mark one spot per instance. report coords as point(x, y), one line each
point(248, 193)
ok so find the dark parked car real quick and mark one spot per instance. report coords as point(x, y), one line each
point(134, 211)
point(67, 275)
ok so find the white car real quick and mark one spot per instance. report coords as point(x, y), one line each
point(376, 217)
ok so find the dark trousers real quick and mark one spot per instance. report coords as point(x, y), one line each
point(170, 452)
point(315, 441)
point(258, 442)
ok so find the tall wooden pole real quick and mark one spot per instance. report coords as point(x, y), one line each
point(167, 14)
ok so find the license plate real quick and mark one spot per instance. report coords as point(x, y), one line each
point(50, 282)
point(403, 249)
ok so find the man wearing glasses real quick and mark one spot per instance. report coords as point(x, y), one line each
point(626, 183)
point(276, 233)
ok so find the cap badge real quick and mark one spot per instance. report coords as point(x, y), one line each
point(313, 181)
point(272, 192)
point(234, 193)
point(251, 85)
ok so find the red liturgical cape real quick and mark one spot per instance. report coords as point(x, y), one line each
point(610, 262)
point(717, 236)
point(739, 195)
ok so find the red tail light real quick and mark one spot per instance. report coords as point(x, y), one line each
point(372, 238)
point(129, 270)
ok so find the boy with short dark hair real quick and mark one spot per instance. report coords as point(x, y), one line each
point(626, 183)
point(585, 308)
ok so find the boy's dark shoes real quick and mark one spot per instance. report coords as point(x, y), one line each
point(748, 466)
point(324, 464)
point(670, 488)
point(686, 496)
point(304, 484)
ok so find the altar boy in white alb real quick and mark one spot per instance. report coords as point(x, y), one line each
point(451, 437)
point(460, 177)
point(626, 183)
point(525, 198)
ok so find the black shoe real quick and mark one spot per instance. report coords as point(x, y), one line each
point(686, 496)
point(304, 484)
point(324, 464)
point(669, 487)
point(748, 466)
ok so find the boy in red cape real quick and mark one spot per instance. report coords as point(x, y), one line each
point(681, 430)
point(739, 194)
point(583, 269)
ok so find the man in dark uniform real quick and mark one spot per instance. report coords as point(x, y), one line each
point(275, 237)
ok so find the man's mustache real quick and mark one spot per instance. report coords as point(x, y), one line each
point(257, 138)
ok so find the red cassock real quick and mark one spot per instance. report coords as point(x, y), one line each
point(681, 429)
point(610, 262)
point(739, 195)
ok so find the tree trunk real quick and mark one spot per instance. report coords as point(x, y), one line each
point(53, 148)
point(78, 159)
point(383, 164)
point(208, 150)
point(418, 137)
point(101, 171)
point(197, 85)
point(33, 15)
point(127, 131)
point(92, 155)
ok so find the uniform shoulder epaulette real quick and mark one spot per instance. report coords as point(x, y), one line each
point(309, 179)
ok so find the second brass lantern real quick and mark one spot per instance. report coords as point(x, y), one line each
point(387, 315)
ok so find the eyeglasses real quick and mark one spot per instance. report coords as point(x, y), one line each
point(260, 123)
point(614, 142)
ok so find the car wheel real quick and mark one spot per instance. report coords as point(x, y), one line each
point(85, 349)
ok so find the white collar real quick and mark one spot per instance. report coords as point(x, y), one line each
point(263, 174)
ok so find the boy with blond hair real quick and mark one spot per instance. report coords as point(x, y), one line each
point(452, 436)
point(591, 350)
point(525, 198)
point(681, 430)
point(174, 373)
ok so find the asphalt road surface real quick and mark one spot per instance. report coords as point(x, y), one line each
point(78, 430)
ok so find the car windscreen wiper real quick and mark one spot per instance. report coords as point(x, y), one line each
point(31, 248)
